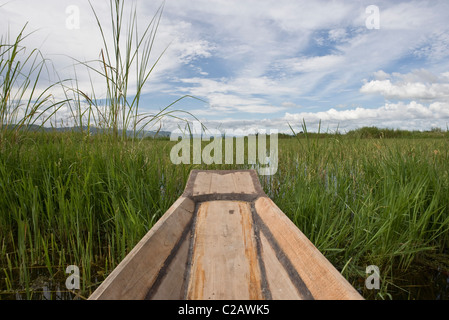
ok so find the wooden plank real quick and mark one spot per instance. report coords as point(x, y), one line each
point(224, 264)
point(319, 275)
point(202, 184)
point(225, 239)
point(171, 286)
point(223, 183)
point(280, 285)
point(243, 183)
point(135, 275)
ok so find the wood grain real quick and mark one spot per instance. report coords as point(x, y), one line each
point(137, 272)
point(237, 182)
point(224, 263)
point(318, 274)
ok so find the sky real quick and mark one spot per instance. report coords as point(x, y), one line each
point(262, 65)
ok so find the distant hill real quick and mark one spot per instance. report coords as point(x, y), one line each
point(95, 130)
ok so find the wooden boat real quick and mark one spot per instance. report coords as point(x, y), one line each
point(225, 239)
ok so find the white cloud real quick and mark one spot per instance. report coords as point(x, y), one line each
point(236, 95)
point(337, 34)
point(268, 51)
point(417, 85)
point(395, 115)
point(232, 103)
point(315, 64)
point(407, 15)
point(413, 115)
point(381, 75)
point(185, 46)
point(291, 105)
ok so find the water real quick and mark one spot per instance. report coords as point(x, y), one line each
point(423, 284)
point(420, 284)
point(40, 287)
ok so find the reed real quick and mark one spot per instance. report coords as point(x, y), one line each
point(23, 100)
point(53, 193)
point(125, 64)
point(369, 202)
point(89, 202)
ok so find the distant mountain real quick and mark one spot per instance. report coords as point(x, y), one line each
point(95, 130)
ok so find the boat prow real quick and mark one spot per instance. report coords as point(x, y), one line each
point(225, 239)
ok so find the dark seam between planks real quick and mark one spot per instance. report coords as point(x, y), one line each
point(163, 271)
point(186, 278)
point(265, 287)
point(224, 196)
point(188, 190)
point(293, 274)
point(256, 183)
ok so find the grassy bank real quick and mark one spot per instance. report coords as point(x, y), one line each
point(68, 199)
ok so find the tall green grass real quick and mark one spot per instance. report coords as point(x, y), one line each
point(125, 65)
point(68, 190)
point(68, 200)
point(23, 100)
point(369, 202)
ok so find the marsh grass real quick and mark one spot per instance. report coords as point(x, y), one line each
point(71, 198)
point(125, 64)
point(68, 200)
point(78, 199)
point(370, 202)
point(23, 102)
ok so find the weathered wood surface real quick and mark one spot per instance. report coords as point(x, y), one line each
point(225, 239)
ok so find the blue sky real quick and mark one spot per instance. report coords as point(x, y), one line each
point(264, 64)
